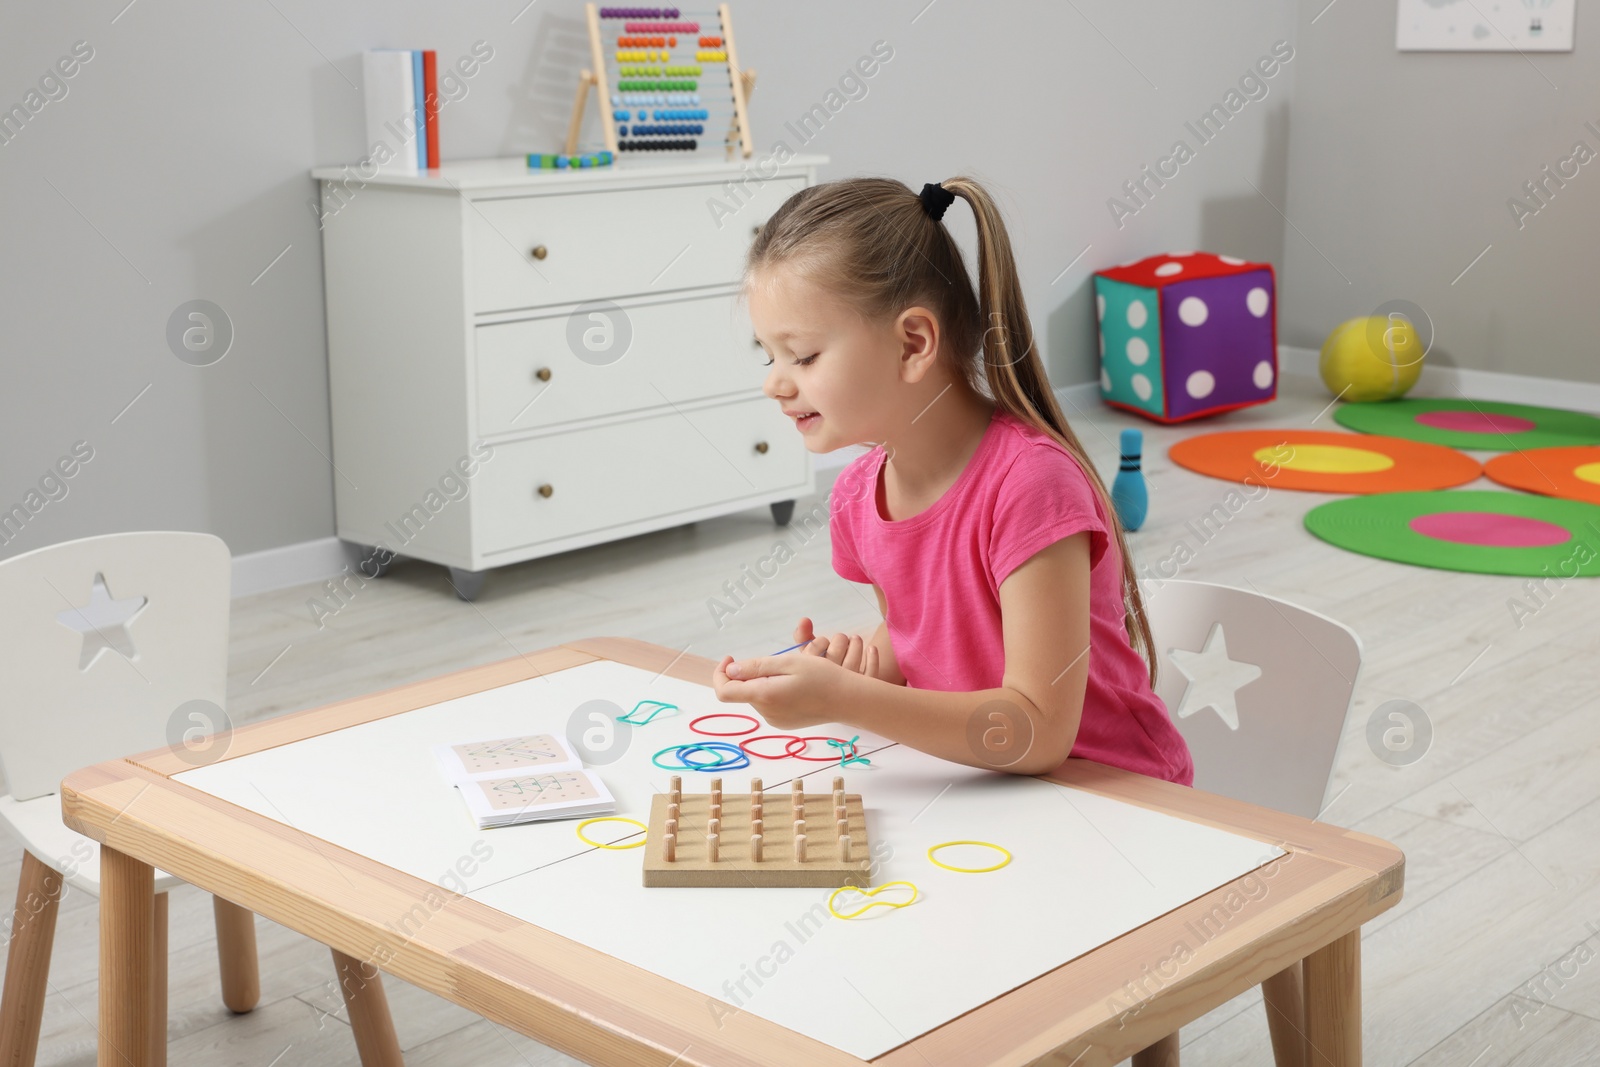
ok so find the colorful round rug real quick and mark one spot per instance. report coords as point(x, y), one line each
point(1483, 531)
point(1324, 461)
point(1570, 473)
point(1480, 424)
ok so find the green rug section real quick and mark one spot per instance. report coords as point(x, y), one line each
point(1386, 526)
point(1552, 427)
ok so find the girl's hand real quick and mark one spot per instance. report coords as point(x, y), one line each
point(850, 651)
point(791, 692)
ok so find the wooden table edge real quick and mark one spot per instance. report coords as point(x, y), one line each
point(1373, 880)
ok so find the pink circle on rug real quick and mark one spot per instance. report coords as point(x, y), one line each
point(1475, 422)
point(1490, 528)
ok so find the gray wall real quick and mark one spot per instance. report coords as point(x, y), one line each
point(1401, 167)
point(175, 169)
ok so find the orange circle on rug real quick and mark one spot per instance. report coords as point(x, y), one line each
point(1323, 461)
point(1571, 472)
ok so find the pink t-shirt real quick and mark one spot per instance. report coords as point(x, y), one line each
point(941, 570)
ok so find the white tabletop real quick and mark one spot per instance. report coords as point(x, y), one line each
point(1086, 869)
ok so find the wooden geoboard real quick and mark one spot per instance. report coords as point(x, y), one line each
point(717, 839)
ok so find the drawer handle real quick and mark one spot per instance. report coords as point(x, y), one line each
point(540, 251)
point(545, 490)
point(761, 446)
point(543, 374)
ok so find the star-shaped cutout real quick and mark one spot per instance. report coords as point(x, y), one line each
point(1214, 679)
point(103, 622)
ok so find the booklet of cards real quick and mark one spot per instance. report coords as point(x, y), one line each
point(523, 779)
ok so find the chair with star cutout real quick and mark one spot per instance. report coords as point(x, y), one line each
point(1260, 689)
point(113, 645)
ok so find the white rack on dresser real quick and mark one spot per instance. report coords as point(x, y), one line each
point(524, 362)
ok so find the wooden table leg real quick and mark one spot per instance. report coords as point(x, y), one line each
point(1163, 1053)
point(362, 987)
point(158, 984)
point(1333, 1003)
point(33, 933)
point(1286, 1016)
point(127, 931)
point(236, 955)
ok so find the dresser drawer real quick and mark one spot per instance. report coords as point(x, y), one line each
point(612, 475)
point(536, 251)
point(611, 358)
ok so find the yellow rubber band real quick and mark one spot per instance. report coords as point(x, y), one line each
point(869, 893)
point(611, 818)
point(968, 870)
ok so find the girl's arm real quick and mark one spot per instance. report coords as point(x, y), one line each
point(1029, 723)
point(888, 666)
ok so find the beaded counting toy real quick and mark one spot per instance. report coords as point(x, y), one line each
point(670, 67)
point(547, 161)
point(757, 840)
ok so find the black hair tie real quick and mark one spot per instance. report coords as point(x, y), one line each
point(935, 199)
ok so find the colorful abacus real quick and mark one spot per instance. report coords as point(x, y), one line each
point(655, 97)
point(547, 161)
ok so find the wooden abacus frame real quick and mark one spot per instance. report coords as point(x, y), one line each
point(744, 83)
point(682, 848)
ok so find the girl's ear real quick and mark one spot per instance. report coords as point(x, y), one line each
point(917, 331)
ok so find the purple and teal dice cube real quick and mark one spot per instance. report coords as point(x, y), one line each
point(1187, 334)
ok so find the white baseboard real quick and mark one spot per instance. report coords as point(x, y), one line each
point(314, 561)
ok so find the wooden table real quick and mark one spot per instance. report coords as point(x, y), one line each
point(602, 1010)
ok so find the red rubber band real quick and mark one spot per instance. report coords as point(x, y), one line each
point(745, 744)
point(819, 759)
point(755, 724)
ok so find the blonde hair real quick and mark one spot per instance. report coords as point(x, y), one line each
point(871, 241)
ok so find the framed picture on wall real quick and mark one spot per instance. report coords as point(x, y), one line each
point(1485, 25)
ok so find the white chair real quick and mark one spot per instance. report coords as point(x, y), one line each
point(1263, 723)
point(110, 645)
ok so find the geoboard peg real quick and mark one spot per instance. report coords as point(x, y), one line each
point(716, 788)
point(755, 848)
point(711, 847)
point(838, 783)
point(800, 848)
point(672, 826)
point(669, 848)
point(756, 825)
point(672, 810)
point(755, 787)
point(799, 828)
point(676, 787)
point(844, 847)
point(841, 827)
point(715, 825)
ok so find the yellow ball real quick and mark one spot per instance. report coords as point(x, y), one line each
point(1372, 358)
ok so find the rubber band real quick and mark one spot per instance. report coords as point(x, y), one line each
point(844, 760)
point(870, 904)
point(683, 763)
point(968, 870)
point(747, 742)
point(804, 741)
point(710, 746)
point(755, 724)
point(611, 818)
point(660, 707)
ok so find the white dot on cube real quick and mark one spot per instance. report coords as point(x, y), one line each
point(1105, 381)
point(1138, 351)
point(1263, 375)
point(1166, 270)
point(1193, 311)
point(1256, 300)
point(1141, 386)
point(1200, 384)
point(1138, 314)
point(1099, 306)
point(1232, 261)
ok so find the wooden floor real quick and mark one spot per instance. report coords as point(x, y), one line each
point(1492, 957)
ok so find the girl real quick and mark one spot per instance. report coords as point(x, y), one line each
point(1013, 624)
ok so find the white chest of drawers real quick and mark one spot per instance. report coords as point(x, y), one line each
point(526, 362)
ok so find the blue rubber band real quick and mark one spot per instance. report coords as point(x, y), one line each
point(681, 752)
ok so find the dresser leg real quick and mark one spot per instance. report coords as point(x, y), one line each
point(782, 511)
point(468, 584)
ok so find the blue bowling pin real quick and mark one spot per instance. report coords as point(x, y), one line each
point(1128, 492)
